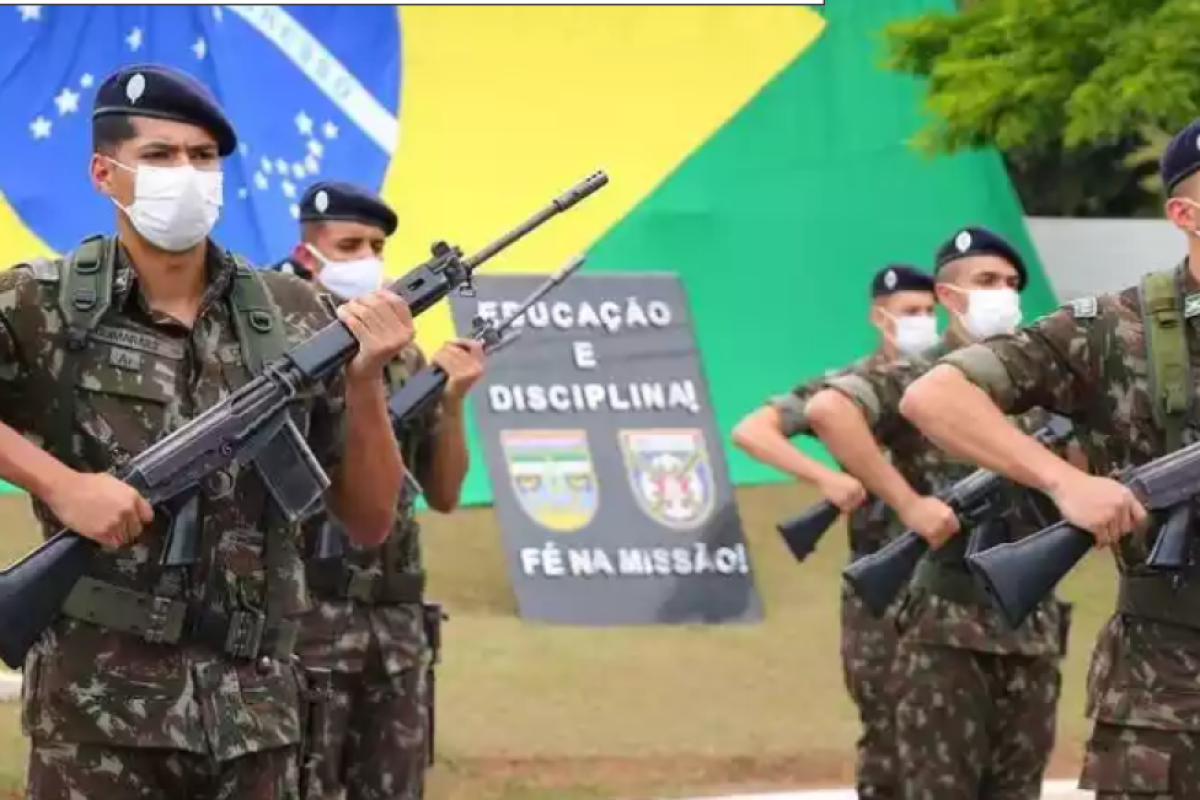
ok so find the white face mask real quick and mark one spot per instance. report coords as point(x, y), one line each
point(991, 312)
point(916, 334)
point(174, 208)
point(349, 279)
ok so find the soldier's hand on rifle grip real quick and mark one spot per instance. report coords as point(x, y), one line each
point(1105, 508)
point(843, 490)
point(383, 325)
point(463, 362)
point(931, 519)
point(101, 508)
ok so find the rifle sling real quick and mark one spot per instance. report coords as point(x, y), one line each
point(1157, 598)
point(162, 620)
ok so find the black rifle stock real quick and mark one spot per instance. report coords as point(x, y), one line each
point(1019, 575)
point(252, 425)
point(877, 579)
point(426, 386)
point(802, 532)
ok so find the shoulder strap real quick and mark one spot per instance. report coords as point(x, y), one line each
point(84, 296)
point(1167, 355)
point(85, 289)
point(257, 321)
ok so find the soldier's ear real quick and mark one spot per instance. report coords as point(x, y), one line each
point(101, 170)
point(1183, 213)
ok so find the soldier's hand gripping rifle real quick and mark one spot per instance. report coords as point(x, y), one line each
point(879, 578)
point(426, 386)
point(802, 532)
point(1019, 575)
point(252, 425)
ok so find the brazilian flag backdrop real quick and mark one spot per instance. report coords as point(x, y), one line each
point(759, 152)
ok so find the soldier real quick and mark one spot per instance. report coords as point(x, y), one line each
point(173, 681)
point(976, 702)
point(1119, 366)
point(367, 629)
point(902, 309)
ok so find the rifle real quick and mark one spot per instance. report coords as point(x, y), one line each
point(426, 386)
point(252, 425)
point(1019, 575)
point(879, 578)
point(802, 532)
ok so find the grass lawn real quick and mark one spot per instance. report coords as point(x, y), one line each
point(530, 711)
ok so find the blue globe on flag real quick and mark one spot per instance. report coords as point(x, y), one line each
point(313, 92)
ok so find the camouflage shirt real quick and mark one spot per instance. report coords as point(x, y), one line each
point(1088, 361)
point(141, 375)
point(340, 634)
point(977, 626)
point(873, 524)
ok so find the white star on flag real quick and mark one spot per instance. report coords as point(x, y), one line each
point(294, 210)
point(200, 47)
point(40, 128)
point(30, 13)
point(281, 166)
point(243, 193)
point(330, 130)
point(218, 14)
point(243, 148)
point(289, 189)
point(67, 101)
point(87, 80)
point(298, 171)
point(266, 166)
point(134, 39)
point(312, 165)
point(316, 148)
point(260, 181)
point(304, 124)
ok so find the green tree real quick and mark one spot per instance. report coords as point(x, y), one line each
point(1076, 93)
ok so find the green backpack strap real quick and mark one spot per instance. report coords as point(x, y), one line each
point(85, 289)
point(1167, 351)
point(257, 321)
point(84, 295)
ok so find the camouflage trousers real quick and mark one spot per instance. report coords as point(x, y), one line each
point(868, 654)
point(974, 726)
point(1142, 764)
point(60, 771)
point(370, 737)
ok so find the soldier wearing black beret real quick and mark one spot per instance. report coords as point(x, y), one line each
point(902, 310)
point(379, 740)
point(163, 680)
point(979, 280)
point(343, 229)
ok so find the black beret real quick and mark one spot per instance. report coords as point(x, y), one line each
point(1181, 158)
point(153, 90)
point(333, 200)
point(977, 241)
point(290, 266)
point(900, 278)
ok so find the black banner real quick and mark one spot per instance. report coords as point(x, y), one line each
point(608, 472)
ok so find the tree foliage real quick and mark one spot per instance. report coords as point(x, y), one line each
point(1077, 93)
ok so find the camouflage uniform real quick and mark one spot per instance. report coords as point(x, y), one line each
point(366, 634)
point(137, 690)
point(868, 644)
point(976, 700)
point(1089, 362)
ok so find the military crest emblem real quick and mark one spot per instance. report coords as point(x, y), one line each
point(671, 475)
point(552, 476)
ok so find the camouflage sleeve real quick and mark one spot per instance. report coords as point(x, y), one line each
point(1048, 364)
point(791, 405)
point(877, 390)
point(22, 319)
